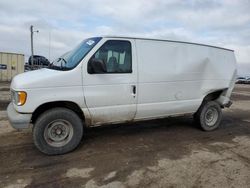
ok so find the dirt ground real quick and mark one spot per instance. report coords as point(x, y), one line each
point(170, 152)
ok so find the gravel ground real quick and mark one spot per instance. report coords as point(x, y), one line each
point(170, 152)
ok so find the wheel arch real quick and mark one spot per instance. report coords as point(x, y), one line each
point(211, 96)
point(49, 105)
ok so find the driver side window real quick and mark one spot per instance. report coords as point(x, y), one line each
point(115, 56)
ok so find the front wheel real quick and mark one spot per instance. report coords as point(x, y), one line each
point(57, 131)
point(209, 116)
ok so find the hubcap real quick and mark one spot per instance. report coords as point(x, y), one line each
point(211, 116)
point(58, 133)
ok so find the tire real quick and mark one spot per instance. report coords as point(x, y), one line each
point(209, 116)
point(57, 131)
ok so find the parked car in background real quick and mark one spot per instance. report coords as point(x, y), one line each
point(243, 80)
point(248, 80)
point(39, 60)
point(107, 80)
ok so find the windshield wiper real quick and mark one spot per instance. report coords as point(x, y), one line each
point(56, 67)
point(62, 59)
point(65, 62)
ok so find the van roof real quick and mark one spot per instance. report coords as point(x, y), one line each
point(184, 42)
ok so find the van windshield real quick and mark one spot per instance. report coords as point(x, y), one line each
point(72, 58)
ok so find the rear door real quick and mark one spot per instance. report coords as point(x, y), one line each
point(111, 96)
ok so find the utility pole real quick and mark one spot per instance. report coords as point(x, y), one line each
point(49, 43)
point(31, 40)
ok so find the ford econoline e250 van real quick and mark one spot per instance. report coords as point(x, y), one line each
point(107, 80)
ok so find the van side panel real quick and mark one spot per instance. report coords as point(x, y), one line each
point(173, 78)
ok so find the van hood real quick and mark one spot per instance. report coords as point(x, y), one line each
point(46, 78)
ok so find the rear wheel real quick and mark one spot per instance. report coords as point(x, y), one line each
point(209, 116)
point(57, 131)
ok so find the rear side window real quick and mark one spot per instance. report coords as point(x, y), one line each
point(116, 55)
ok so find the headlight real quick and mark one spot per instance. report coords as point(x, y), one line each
point(19, 97)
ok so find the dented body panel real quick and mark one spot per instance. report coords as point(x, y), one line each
point(175, 77)
point(167, 78)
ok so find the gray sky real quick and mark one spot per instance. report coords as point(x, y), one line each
point(224, 23)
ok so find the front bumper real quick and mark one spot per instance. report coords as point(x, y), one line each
point(16, 119)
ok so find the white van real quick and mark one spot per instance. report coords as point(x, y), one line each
point(107, 80)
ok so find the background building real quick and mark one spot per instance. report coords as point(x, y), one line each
point(11, 64)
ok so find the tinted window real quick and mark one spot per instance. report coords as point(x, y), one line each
point(116, 55)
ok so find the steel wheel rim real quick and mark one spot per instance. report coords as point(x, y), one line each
point(211, 116)
point(58, 133)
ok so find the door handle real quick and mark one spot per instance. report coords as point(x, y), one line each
point(133, 90)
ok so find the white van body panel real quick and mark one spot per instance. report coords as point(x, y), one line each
point(170, 78)
point(174, 77)
point(46, 85)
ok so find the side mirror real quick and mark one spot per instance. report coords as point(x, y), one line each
point(96, 66)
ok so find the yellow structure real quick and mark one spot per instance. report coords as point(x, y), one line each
point(11, 64)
